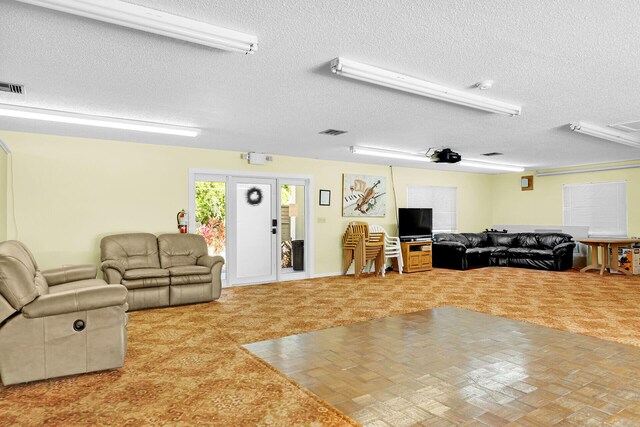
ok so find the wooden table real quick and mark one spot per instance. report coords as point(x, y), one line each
point(608, 263)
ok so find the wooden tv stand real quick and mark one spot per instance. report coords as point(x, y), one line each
point(416, 256)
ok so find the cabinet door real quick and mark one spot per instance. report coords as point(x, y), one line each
point(425, 259)
point(415, 260)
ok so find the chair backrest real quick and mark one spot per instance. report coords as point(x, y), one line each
point(133, 250)
point(181, 249)
point(374, 228)
point(18, 271)
point(390, 242)
point(360, 227)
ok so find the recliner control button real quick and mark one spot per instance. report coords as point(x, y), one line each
point(78, 325)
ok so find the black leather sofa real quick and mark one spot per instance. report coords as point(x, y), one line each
point(547, 251)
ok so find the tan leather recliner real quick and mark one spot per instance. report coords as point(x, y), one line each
point(172, 269)
point(57, 322)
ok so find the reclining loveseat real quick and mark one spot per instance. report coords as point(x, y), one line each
point(546, 251)
point(171, 269)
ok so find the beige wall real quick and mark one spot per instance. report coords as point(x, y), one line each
point(72, 191)
point(4, 176)
point(543, 205)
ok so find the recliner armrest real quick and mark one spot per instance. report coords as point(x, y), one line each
point(76, 300)
point(562, 247)
point(209, 261)
point(72, 273)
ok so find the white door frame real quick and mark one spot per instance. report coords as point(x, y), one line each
point(309, 199)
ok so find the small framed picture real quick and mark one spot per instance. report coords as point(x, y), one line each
point(325, 197)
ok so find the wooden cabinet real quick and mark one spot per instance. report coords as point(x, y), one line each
point(416, 256)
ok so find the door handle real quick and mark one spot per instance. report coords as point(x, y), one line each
point(273, 230)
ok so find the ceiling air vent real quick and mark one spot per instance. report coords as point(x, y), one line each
point(493, 153)
point(332, 132)
point(627, 126)
point(11, 87)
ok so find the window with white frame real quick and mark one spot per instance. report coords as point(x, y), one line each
point(601, 206)
point(441, 199)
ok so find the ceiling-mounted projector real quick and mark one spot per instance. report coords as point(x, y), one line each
point(445, 156)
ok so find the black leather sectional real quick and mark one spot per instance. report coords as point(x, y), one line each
point(546, 251)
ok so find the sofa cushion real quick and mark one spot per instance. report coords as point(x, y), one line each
point(551, 240)
point(526, 240)
point(499, 251)
point(181, 249)
point(502, 239)
point(191, 279)
point(144, 273)
point(531, 253)
point(149, 282)
point(479, 250)
point(132, 250)
point(452, 237)
point(186, 270)
point(476, 239)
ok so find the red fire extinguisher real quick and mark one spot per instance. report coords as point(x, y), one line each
point(183, 221)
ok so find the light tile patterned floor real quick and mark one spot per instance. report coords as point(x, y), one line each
point(448, 366)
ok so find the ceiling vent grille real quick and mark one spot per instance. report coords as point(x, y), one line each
point(628, 126)
point(12, 88)
point(493, 153)
point(332, 132)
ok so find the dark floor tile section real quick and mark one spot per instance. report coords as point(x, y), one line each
point(448, 366)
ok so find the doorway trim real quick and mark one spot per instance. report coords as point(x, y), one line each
point(309, 212)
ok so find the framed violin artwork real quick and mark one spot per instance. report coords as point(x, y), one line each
point(364, 195)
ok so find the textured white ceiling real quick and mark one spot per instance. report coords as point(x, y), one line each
point(561, 60)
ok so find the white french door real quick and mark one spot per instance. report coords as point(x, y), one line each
point(253, 230)
point(260, 222)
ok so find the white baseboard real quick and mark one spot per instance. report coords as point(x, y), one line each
point(284, 278)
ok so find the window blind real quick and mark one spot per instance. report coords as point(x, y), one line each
point(601, 206)
point(441, 199)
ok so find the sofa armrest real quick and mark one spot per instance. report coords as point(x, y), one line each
point(209, 261)
point(76, 300)
point(450, 246)
point(113, 271)
point(215, 264)
point(562, 248)
point(72, 273)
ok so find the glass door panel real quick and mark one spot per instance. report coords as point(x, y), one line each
point(211, 215)
point(292, 230)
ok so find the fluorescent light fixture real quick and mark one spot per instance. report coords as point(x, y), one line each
point(493, 166)
point(390, 154)
point(605, 133)
point(4, 147)
point(596, 169)
point(98, 121)
point(375, 75)
point(154, 21)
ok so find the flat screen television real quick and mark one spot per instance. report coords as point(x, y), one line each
point(415, 223)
